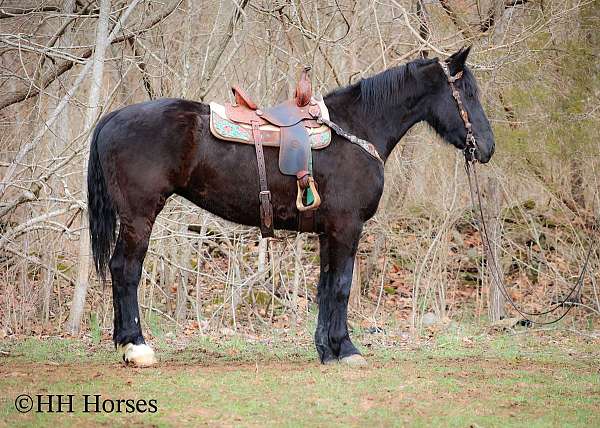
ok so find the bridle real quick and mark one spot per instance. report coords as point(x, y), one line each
point(470, 142)
point(470, 150)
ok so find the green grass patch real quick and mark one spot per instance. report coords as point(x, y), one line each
point(458, 378)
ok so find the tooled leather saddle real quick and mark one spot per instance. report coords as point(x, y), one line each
point(292, 126)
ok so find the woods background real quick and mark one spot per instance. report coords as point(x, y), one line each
point(65, 63)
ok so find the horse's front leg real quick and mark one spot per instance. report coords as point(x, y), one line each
point(333, 295)
point(326, 354)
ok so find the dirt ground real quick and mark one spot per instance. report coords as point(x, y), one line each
point(501, 379)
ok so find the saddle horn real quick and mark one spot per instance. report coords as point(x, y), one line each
point(304, 88)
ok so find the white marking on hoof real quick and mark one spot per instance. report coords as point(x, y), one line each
point(331, 362)
point(355, 360)
point(138, 355)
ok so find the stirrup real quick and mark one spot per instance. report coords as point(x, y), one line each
point(317, 199)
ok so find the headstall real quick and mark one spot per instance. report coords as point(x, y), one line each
point(470, 143)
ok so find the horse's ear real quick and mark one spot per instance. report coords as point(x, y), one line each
point(457, 61)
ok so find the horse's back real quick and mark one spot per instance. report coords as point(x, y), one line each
point(147, 122)
point(150, 147)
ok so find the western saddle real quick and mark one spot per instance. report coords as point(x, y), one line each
point(292, 126)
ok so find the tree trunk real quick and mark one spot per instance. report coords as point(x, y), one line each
point(355, 289)
point(263, 245)
point(299, 244)
point(182, 287)
point(83, 263)
point(576, 181)
point(217, 50)
point(495, 276)
point(61, 137)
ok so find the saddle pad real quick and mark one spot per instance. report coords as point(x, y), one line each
point(225, 129)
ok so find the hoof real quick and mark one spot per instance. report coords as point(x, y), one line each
point(355, 360)
point(330, 362)
point(138, 355)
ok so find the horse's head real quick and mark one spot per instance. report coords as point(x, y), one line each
point(445, 112)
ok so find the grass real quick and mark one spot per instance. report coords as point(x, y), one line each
point(452, 379)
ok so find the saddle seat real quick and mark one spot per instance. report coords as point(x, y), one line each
point(233, 123)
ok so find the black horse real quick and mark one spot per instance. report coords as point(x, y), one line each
point(144, 153)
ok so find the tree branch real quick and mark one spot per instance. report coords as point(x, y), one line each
point(491, 19)
point(467, 30)
point(25, 148)
point(64, 66)
point(423, 25)
point(415, 32)
point(141, 65)
point(218, 51)
point(456, 19)
point(11, 12)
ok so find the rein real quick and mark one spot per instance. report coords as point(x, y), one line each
point(483, 231)
point(471, 171)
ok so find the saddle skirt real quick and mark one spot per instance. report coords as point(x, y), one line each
point(225, 125)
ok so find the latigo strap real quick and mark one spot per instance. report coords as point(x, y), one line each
point(266, 208)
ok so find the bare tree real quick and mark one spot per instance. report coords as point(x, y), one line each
point(83, 265)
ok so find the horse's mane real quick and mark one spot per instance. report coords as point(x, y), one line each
point(388, 88)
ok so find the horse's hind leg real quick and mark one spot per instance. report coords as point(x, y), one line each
point(126, 269)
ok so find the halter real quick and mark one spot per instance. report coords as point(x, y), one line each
point(470, 143)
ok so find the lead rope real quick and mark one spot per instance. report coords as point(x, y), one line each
point(470, 160)
point(472, 171)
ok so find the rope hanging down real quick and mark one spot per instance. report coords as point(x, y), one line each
point(470, 159)
point(471, 171)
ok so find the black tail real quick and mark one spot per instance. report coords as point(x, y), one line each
point(101, 212)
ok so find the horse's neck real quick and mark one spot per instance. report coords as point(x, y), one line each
point(384, 130)
point(391, 126)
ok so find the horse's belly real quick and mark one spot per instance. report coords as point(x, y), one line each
point(225, 182)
